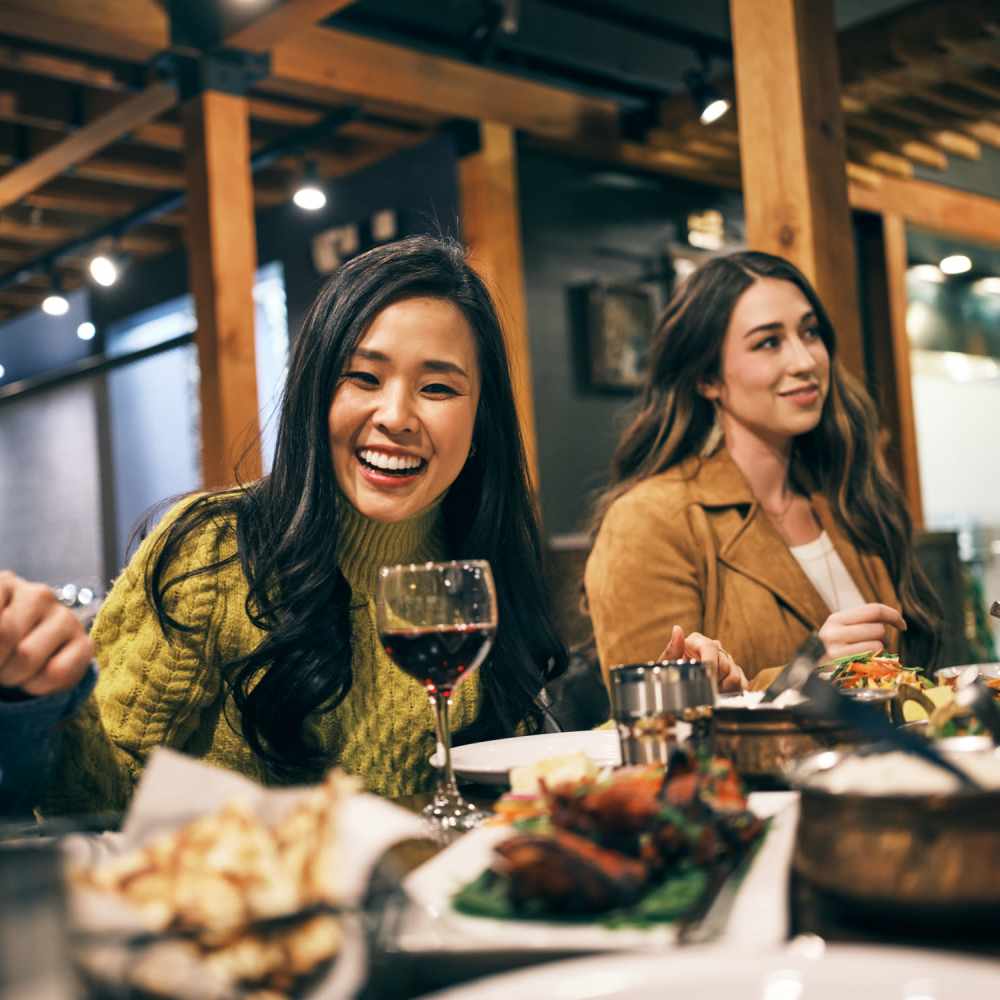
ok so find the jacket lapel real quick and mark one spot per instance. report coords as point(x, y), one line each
point(749, 544)
point(759, 552)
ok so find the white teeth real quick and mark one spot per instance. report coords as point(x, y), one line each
point(392, 463)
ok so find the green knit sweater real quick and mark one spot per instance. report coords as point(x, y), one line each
point(152, 692)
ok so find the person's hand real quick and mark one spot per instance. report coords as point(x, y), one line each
point(695, 646)
point(859, 630)
point(43, 648)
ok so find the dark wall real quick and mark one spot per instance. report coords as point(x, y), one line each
point(580, 222)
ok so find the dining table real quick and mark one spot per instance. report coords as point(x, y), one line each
point(398, 973)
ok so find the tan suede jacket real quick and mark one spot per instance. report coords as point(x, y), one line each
point(693, 547)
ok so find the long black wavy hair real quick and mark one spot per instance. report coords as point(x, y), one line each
point(286, 523)
point(840, 457)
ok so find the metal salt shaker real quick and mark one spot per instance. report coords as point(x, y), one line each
point(660, 703)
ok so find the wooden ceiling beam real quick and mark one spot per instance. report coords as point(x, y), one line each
point(40, 64)
point(891, 139)
point(87, 141)
point(48, 234)
point(881, 159)
point(100, 206)
point(986, 132)
point(941, 209)
point(882, 121)
point(41, 233)
point(129, 30)
point(283, 20)
point(328, 65)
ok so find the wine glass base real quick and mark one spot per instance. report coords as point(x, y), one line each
point(450, 815)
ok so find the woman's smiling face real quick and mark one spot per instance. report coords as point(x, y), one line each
point(775, 368)
point(403, 413)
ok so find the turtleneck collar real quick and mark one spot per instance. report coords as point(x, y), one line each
point(364, 545)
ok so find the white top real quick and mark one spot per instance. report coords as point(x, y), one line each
point(828, 574)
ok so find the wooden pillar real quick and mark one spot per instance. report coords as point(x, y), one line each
point(883, 260)
point(491, 228)
point(222, 260)
point(792, 150)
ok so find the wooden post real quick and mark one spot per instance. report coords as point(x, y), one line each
point(792, 150)
point(883, 259)
point(222, 260)
point(491, 228)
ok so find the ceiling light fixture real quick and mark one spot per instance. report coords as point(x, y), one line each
point(103, 269)
point(309, 196)
point(707, 99)
point(3, 371)
point(929, 273)
point(86, 331)
point(55, 303)
point(987, 286)
point(956, 263)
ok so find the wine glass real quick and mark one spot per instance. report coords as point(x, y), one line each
point(437, 622)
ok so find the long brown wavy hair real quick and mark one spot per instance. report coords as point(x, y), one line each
point(840, 457)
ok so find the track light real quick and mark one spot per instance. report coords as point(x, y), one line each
point(957, 263)
point(309, 196)
point(710, 103)
point(103, 269)
point(929, 273)
point(55, 303)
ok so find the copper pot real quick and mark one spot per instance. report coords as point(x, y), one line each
point(764, 742)
point(928, 850)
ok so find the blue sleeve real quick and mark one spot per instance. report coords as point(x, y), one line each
point(29, 740)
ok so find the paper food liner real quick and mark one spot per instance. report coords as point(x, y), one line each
point(174, 791)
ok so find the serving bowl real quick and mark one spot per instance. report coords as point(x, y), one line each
point(764, 742)
point(885, 841)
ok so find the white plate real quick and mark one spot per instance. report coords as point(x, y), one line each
point(490, 763)
point(752, 915)
point(839, 971)
point(991, 670)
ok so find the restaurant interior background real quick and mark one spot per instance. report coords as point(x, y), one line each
point(99, 407)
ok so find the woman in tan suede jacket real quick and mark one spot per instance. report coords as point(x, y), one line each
point(749, 500)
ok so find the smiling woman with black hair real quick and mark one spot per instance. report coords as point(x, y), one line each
point(243, 631)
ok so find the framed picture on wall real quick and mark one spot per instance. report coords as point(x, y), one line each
point(618, 320)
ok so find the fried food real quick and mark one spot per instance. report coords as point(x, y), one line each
point(216, 879)
point(603, 842)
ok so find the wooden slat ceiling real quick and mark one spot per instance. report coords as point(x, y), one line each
point(920, 86)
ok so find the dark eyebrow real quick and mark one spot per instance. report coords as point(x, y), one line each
point(765, 328)
point(778, 327)
point(431, 365)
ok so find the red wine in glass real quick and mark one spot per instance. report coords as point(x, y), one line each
point(437, 622)
point(439, 657)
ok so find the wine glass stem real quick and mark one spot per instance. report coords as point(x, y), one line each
point(441, 704)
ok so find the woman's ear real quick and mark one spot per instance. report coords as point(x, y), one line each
point(711, 389)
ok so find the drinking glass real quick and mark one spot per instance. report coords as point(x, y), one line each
point(437, 622)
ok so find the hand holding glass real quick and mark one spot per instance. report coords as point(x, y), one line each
point(437, 622)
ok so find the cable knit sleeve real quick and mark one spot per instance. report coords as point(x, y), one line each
point(152, 690)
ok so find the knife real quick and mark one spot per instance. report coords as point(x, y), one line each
point(798, 670)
